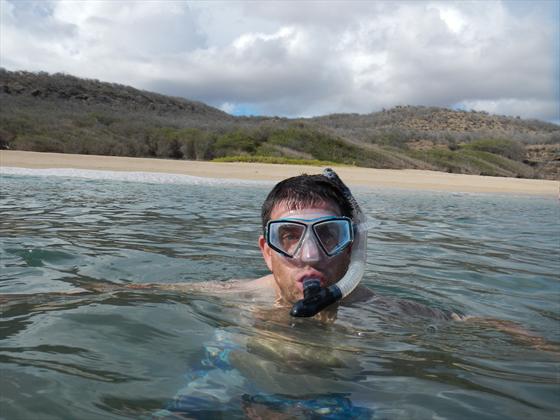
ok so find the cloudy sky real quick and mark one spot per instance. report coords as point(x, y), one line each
point(301, 58)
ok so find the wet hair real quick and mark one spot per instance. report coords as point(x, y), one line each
point(303, 191)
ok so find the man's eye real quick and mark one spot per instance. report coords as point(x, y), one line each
point(289, 236)
point(290, 233)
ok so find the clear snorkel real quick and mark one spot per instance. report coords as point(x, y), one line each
point(317, 298)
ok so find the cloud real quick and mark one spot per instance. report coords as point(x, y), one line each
point(548, 110)
point(106, 40)
point(301, 58)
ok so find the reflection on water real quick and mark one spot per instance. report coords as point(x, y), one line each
point(127, 353)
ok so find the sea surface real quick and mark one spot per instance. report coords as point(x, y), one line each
point(77, 342)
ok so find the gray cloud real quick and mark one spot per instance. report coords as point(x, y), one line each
point(301, 58)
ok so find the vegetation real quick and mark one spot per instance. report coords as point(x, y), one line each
point(274, 159)
point(506, 148)
point(469, 161)
point(61, 113)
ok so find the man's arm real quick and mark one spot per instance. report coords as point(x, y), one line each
point(206, 287)
point(515, 331)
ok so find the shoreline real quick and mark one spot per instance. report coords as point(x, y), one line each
point(411, 179)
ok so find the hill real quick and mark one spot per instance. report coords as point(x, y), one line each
point(62, 113)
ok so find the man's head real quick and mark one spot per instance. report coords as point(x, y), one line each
point(305, 191)
point(304, 197)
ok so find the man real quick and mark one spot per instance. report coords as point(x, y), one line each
point(305, 210)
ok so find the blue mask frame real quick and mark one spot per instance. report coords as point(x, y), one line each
point(313, 224)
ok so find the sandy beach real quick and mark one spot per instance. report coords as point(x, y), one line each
point(384, 178)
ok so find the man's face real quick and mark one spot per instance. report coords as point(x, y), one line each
point(309, 262)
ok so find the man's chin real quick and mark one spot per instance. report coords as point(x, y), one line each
point(295, 296)
point(289, 298)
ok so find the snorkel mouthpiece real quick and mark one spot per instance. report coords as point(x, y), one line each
point(315, 298)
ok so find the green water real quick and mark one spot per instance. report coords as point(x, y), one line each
point(125, 353)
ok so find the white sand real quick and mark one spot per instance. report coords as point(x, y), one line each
point(388, 178)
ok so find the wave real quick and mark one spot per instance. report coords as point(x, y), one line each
point(144, 177)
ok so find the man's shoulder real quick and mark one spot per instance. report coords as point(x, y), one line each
point(264, 282)
point(404, 307)
point(214, 287)
point(262, 287)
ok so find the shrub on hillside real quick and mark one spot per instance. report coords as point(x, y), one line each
point(507, 148)
point(38, 143)
point(236, 142)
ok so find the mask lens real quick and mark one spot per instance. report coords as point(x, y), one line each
point(334, 235)
point(285, 236)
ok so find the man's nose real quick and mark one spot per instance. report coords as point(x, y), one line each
point(310, 251)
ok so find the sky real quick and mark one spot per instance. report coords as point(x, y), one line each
point(302, 58)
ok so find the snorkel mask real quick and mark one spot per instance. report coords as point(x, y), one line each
point(289, 237)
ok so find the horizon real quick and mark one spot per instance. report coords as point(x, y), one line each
point(306, 59)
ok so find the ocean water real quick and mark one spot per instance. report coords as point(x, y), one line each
point(119, 353)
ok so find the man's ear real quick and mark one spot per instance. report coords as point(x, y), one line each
point(266, 252)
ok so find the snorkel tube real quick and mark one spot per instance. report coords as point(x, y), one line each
point(317, 298)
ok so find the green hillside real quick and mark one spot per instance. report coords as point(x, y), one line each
point(62, 113)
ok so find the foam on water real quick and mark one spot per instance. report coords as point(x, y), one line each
point(145, 177)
